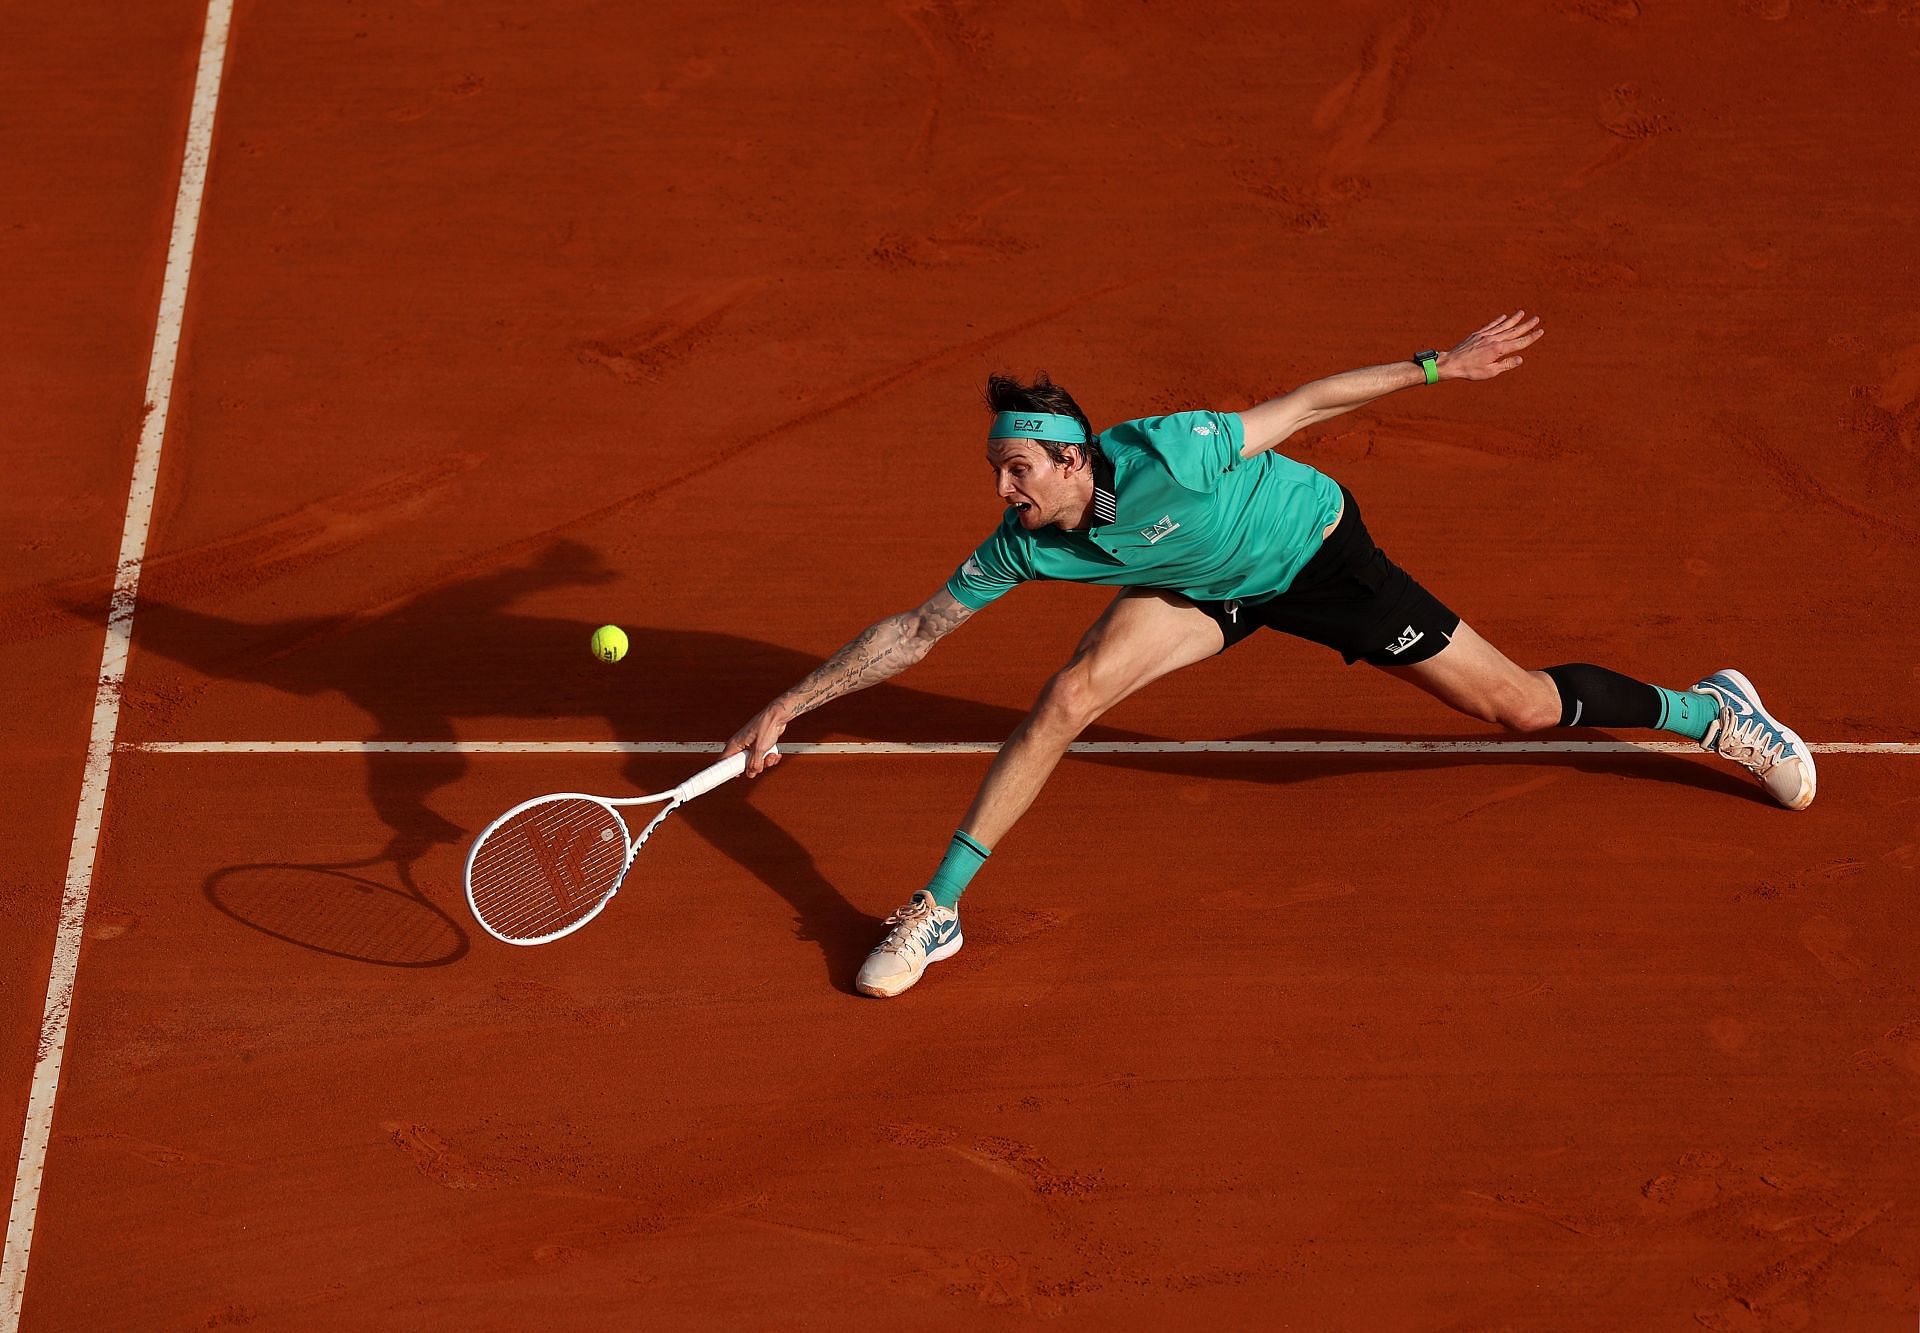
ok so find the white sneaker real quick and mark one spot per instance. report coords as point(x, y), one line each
point(1752, 737)
point(923, 932)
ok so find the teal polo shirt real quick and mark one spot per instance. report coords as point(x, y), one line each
point(1174, 507)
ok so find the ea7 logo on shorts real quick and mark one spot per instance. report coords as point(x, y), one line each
point(1203, 430)
point(1405, 641)
point(1159, 530)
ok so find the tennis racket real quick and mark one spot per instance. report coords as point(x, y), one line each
point(550, 865)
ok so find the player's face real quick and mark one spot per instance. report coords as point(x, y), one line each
point(1039, 490)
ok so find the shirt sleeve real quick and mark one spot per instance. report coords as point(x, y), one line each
point(994, 569)
point(1197, 447)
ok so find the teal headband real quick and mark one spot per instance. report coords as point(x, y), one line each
point(1049, 426)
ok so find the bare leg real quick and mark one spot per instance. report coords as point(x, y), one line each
point(1475, 678)
point(1143, 636)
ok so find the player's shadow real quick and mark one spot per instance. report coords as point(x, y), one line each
point(1279, 769)
point(463, 656)
point(467, 654)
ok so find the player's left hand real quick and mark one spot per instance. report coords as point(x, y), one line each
point(1491, 350)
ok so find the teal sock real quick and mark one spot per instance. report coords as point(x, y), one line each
point(1686, 714)
point(957, 868)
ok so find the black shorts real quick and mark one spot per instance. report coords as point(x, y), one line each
point(1351, 598)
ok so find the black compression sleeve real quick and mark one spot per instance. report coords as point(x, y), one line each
point(1592, 696)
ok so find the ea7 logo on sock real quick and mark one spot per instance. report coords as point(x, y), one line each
point(1405, 641)
point(1159, 530)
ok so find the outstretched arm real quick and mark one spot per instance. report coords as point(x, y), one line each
point(1489, 351)
point(883, 649)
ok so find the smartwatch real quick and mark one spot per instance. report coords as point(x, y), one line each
point(1429, 361)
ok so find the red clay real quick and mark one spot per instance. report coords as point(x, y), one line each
point(93, 111)
point(507, 323)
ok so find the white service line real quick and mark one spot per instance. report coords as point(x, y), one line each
point(977, 747)
point(113, 670)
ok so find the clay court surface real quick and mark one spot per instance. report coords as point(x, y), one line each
point(507, 321)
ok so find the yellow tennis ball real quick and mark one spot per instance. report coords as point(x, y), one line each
point(609, 643)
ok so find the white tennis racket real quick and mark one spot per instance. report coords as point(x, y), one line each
point(550, 865)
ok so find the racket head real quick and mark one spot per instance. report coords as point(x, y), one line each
point(547, 867)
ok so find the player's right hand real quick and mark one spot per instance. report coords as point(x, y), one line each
point(1493, 349)
point(757, 738)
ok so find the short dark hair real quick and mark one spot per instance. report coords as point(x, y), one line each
point(1007, 394)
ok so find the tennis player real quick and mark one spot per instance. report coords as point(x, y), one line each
point(1211, 535)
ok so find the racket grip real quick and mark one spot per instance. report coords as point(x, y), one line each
point(708, 778)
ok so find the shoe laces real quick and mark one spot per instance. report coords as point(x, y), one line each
point(1751, 742)
point(908, 923)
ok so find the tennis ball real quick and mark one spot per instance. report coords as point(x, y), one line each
point(609, 643)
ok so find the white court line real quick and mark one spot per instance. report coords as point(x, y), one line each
point(113, 669)
point(978, 747)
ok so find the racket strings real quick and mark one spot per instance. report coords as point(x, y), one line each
point(547, 867)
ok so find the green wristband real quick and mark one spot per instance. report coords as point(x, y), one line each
point(1429, 361)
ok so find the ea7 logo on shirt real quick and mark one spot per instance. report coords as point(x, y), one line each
point(972, 568)
point(1405, 641)
point(1159, 530)
point(1203, 430)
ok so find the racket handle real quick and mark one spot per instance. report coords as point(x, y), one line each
point(708, 778)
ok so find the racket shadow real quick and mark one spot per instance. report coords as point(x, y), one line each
point(328, 909)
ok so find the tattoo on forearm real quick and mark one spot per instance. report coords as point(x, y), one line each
point(883, 650)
